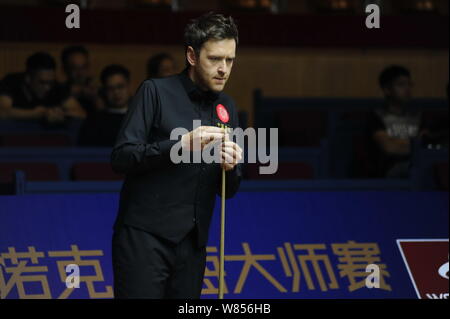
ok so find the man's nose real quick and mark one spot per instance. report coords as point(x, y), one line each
point(223, 68)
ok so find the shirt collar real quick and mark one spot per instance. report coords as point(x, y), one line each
point(193, 91)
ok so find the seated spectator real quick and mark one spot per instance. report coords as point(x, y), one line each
point(80, 84)
point(35, 95)
point(101, 128)
point(161, 65)
point(392, 127)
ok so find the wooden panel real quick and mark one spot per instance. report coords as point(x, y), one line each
point(277, 71)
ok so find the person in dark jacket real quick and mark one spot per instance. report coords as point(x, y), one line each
point(165, 209)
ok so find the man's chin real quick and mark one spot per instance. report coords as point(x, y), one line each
point(217, 88)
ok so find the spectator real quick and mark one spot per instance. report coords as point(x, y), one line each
point(35, 95)
point(392, 127)
point(160, 65)
point(76, 66)
point(101, 129)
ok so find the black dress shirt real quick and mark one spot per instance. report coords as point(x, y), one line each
point(158, 196)
point(15, 86)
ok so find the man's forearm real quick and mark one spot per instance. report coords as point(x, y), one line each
point(134, 158)
point(19, 114)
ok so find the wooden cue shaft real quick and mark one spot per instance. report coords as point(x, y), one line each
point(222, 240)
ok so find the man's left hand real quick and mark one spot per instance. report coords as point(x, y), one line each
point(230, 155)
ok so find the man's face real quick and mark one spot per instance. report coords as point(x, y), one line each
point(117, 91)
point(400, 90)
point(214, 63)
point(41, 82)
point(77, 68)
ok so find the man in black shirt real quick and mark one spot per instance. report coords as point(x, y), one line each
point(35, 95)
point(392, 127)
point(161, 231)
point(79, 82)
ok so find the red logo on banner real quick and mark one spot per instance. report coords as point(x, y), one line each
point(222, 113)
point(427, 264)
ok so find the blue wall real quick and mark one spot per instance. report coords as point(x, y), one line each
point(268, 223)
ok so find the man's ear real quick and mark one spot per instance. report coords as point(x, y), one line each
point(191, 56)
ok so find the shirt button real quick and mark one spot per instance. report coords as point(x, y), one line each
point(194, 219)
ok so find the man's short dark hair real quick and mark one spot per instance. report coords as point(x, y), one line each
point(40, 61)
point(210, 26)
point(388, 76)
point(68, 51)
point(154, 63)
point(114, 69)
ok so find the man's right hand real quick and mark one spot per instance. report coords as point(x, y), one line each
point(201, 137)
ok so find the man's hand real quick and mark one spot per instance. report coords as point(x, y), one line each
point(201, 137)
point(55, 115)
point(230, 154)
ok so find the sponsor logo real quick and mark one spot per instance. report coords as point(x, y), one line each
point(427, 263)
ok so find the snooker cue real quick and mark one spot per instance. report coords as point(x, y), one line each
point(222, 240)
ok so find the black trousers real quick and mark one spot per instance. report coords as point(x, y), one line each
point(147, 266)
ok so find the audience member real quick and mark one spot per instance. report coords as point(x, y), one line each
point(101, 128)
point(79, 82)
point(35, 94)
point(392, 127)
point(161, 65)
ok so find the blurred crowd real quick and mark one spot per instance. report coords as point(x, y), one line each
point(392, 128)
point(36, 95)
